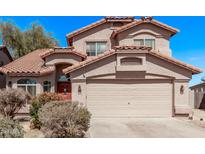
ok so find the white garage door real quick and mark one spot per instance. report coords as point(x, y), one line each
point(129, 98)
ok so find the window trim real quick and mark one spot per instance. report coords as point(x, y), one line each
point(26, 85)
point(47, 85)
point(96, 46)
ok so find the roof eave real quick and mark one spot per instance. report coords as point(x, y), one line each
point(138, 22)
point(193, 69)
point(86, 28)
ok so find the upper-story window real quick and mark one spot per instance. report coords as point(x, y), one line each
point(145, 42)
point(95, 48)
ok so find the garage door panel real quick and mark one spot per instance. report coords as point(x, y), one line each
point(131, 100)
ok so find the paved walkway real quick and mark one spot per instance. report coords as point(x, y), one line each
point(145, 128)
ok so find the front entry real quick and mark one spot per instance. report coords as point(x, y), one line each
point(63, 81)
point(64, 88)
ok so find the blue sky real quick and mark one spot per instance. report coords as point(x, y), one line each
point(188, 45)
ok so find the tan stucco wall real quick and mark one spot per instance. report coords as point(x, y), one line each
point(6, 60)
point(153, 66)
point(143, 31)
point(182, 105)
point(100, 33)
point(62, 58)
point(156, 69)
point(76, 96)
point(161, 67)
point(39, 80)
point(147, 31)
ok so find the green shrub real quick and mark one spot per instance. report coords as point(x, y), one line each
point(12, 100)
point(34, 108)
point(10, 129)
point(37, 103)
point(64, 119)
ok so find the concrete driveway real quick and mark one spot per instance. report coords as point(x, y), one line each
point(144, 127)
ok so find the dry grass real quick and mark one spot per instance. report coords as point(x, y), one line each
point(31, 133)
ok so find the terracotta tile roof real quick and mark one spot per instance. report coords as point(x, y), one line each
point(86, 28)
point(6, 51)
point(147, 50)
point(194, 69)
point(132, 48)
point(33, 64)
point(60, 50)
point(88, 61)
point(119, 18)
point(100, 22)
point(145, 20)
point(29, 65)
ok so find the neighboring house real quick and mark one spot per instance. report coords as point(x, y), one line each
point(197, 96)
point(199, 87)
point(117, 67)
point(5, 58)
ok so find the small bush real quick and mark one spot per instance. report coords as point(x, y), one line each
point(82, 118)
point(12, 100)
point(34, 108)
point(10, 129)
point(48, 97)
point(37, 103)
point(64, 119)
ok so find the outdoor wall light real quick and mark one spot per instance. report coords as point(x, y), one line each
point(79, 90)
point(182, 90)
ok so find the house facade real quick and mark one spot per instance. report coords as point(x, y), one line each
point(117, 67)
point(5, 58)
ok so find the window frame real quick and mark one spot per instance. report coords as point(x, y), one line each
point(27, 85)
point(96, 47)
point(144, 42)
point(47, 85)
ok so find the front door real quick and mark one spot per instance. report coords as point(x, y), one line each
point(64, 88)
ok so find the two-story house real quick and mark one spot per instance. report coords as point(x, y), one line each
point(5, 58)
point(117, 67)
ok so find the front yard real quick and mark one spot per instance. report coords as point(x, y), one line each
point(30, 133)
point(50, 113)
point(178, 127)
point(53, 117)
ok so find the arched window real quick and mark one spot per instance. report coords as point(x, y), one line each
point(47, 86)
point(131, 61)
point(63, 78)
point(28, 85)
